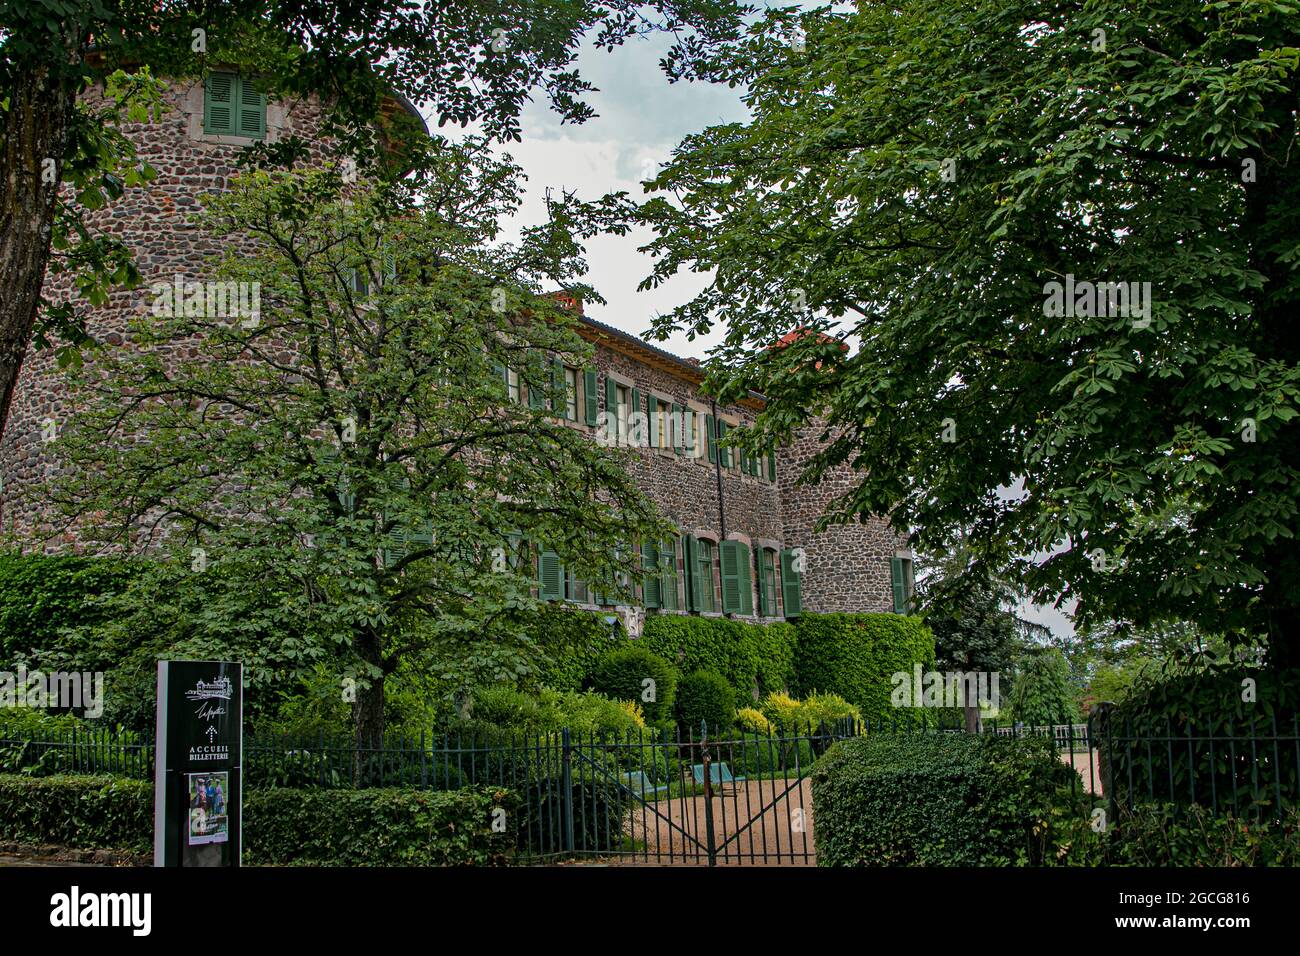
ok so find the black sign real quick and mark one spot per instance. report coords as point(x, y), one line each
point(197, 785)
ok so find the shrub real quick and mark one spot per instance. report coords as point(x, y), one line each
point(856, 655)
point(38, 743)
point(379, 827)
point(705, 697)
point(622, 674)
point(754, 755)
point(85, 812)
point(569, 644)
point(754, 658)
point(1196, 702)
point(40, 595)
point(936, 800)
point(1166, 835)
point(752, 721)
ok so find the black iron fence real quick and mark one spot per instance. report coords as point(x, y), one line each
point(742, 798)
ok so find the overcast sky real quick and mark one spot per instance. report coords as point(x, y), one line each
point(640, 118)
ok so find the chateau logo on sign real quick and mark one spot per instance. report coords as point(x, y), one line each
point(211, 697)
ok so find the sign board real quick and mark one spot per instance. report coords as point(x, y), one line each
point(197, 764)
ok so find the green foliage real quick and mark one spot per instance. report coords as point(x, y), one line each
point(77, 811)
point(751, 721)
point(705, 697)
point(1166, 835)
point(41, 595)
point(922, 799)
point(381, 827)
point(621, 674)
point(754, 658)
point(1201, 700)
point(549, 711)
point(855, 655)
point(569, 644)
point(1157, 448)
point(39, 744)
point(1041, 693)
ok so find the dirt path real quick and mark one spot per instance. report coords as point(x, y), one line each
point(667, 831)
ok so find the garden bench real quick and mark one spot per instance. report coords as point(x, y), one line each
point(719, 774)
point(640, 784)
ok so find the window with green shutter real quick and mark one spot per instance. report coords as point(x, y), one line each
point(710, 439)
point(536, 381)
point(688, 431)
point(771, 466)
point(746, 579)
point(559, 389)
point(232, 106)
point(611, 406)
point(790, 585)
point(700, 565)
point(668, 580)
point(651, 587)
point(766, 570)
point(652, 413)
point(724, 453)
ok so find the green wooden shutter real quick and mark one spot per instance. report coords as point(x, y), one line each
point(746, 569)
point(590, 395)
point(550, 577)
point(691, 557)
point(688, 431)
point(219, 104)
point(652, 412)
point(771, 466)
point(744, 460)
point(679, 428)
point(250, 113)
point(724, 453)
point(559, 389)
point(764, 599)
point(710, 438)
point(536, 375)
point(790, 587)
point(651, 589)
point(634, 405)
point(729, 553)
point(900, 585)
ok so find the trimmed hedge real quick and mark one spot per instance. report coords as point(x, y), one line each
point(855, 655)
point(89, 813)
point(569, 642)
point(937, 800)
point(380, 827)
point(387, 827)
point(752, 657)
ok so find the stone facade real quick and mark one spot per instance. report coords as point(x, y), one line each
point(847, 568)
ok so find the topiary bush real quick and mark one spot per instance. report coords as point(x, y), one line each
point(622, 674)
point(921, 799)
point(705, 697)
point(856, 655)
point(754, 658)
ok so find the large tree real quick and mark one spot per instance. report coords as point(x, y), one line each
point(352, 445)
point(470, 61)
point(916, 176)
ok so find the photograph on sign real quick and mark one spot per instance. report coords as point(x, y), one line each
point(209, 821)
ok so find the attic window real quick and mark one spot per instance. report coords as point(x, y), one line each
point(232, 107)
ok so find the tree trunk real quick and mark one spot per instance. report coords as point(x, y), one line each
point(368, 711)
point(37, 127)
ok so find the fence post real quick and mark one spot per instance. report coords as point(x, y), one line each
point(566, 787)
point(708, 793)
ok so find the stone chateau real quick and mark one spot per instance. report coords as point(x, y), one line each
point(746, 546)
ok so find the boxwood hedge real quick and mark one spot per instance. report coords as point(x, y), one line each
point(921, 799)
point(755, 659)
